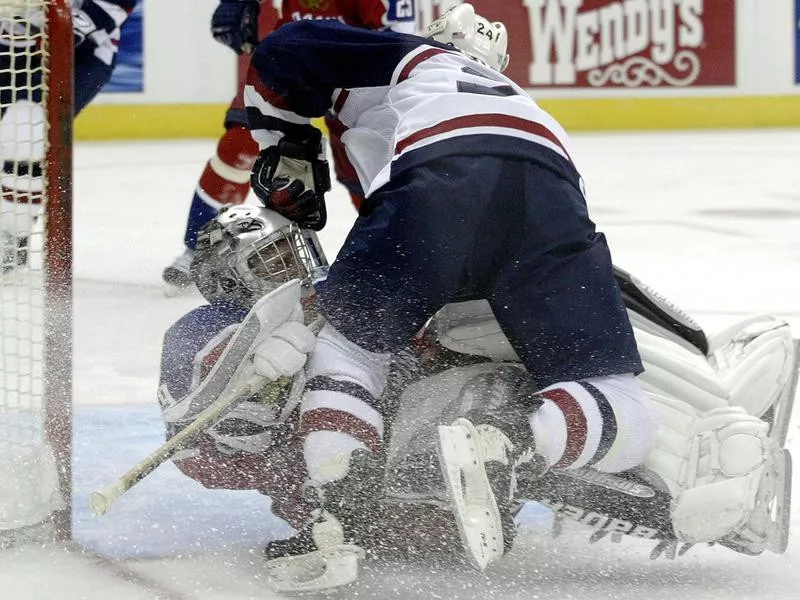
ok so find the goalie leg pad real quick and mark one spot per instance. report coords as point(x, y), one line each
point(721, 467)
point(769, 522)
point(757, 363)
point(779, 415)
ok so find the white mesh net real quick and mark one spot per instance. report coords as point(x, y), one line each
point(29, 490)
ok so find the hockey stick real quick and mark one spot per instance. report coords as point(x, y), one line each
point(102, 499)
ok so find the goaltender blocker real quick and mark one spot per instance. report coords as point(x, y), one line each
point(717, 472)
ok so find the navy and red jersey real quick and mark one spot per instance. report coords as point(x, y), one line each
point(191, 348)
point(398, 15)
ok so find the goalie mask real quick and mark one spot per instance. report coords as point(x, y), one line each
point(248, 251)
point(474, 35)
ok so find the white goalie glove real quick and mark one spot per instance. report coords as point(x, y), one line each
point(285, 350)
point(271, 343)
point(284, 341)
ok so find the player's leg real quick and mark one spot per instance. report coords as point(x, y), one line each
point(401, 262)
point(712, 477)
point(91, 74)
point(21, 151)
point(225, 180)
point(555, 297)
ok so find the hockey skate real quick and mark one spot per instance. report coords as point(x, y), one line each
point(316, 560)
point(176, 277)
point(325, 555)
point(479, 456)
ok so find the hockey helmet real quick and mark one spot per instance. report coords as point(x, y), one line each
point(474, 35)
point(248, 251)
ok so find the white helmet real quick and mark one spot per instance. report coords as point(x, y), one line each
point(474, 35)
point(248, 251)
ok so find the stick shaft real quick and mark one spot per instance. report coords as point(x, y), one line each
point(102, 499)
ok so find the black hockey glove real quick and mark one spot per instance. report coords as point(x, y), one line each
point(235, 24)
point(291, 179)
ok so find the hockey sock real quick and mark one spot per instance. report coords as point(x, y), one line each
point(604, 422)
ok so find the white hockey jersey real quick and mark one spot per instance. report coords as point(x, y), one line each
point(403, 99)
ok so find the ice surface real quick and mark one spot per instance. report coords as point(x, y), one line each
point(710, 219)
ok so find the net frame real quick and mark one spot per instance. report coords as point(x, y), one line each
point(56, 45)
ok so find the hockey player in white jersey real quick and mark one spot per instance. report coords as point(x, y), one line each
point(724, 400)
point(471, 193)
point(226, 177)
point(96, 32)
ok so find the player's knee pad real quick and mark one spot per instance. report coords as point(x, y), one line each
point(22, 151)
point(712, 463)
point(237, 148)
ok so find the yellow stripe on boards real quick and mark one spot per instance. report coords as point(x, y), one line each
point(175, 121)
point(708, 112)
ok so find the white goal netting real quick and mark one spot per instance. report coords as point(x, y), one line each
point(31, 476)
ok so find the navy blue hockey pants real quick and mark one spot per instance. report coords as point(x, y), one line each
point(511, 231)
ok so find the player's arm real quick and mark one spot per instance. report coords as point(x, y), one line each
point(297, 69)
point(297, 73)
point(387, 15)
point(98, 22)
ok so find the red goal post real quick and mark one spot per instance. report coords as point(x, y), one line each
point(36, 115)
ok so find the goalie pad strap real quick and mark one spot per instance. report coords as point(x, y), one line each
point(639, 298)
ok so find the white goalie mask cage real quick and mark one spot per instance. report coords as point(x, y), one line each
point(248, 251)
point(474, 35)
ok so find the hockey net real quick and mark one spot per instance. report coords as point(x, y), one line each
point(36, 75)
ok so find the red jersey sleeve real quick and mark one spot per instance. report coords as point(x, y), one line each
point(368, 14)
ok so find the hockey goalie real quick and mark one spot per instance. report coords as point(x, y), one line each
point(718, 473)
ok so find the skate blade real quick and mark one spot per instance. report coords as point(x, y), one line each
point(471, 496)
point(317, 572)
